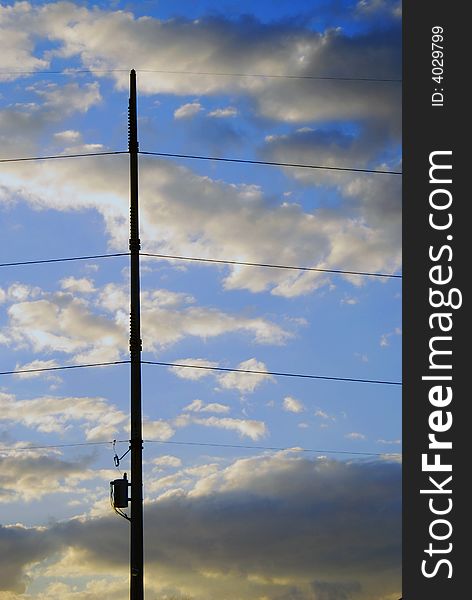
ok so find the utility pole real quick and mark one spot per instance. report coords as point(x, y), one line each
point(135, 347)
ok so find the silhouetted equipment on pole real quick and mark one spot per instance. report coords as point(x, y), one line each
point(135, 347)
point(119, 492)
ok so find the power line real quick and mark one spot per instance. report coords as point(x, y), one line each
point(190, 366)
point(270, 163)
point(198, 259)
point(58, 260)
point(57, 156)
point(11, 449)
point(201, 157)
point(212, 73)
point(271, 266)
point(275, 373)
point(65, 367)
point(276, 448)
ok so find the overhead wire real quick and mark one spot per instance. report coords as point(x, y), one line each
point(204, 260)
point(202, 157)
point(269, 163)
point(60, 156)
point(269, 265)
point(12, 449)
point(269, 373)
point(208, 368)
point(71, 72)
point(64, 367)
point(59, 260)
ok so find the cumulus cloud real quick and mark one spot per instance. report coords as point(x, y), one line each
point(224, 220)
point(188, 110)
point(82, 285)
point(68, 136)
point(293, 405)
point(298, 527)
point(31, 475)
point(199, 406)
point(220, 113)
point(94, 329)
point(68, 98)
point(250, 428)
point(98, 418)
point(216, 44)
point(36, 365)
point(245, 382)
point(354, 435)
point(193, 374)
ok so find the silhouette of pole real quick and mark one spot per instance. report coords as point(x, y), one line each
point(135, 347)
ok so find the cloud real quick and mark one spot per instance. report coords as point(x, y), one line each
point(324, 415)
point(166, 461)
point(224, 220)
point(250, 428)
point(36, 364)
point(220, 113)
point(385, 337)
point(193, 374)
point(216, 44)
point(199, 406)
point(313, 526)
point(245, 382)
point(63, 323)
point(293, 405)
point(68, 98)
point(187, 111)
point(68, 136)
point(98, 418)
point(96, 329)
point(355, 436)
point(80, 285)
point(28, 476)
point(158, 430)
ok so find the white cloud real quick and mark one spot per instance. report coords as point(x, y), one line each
point(220, 113)
point(157, 430)
point(36, 364)
point(324, 415)
point(90, 332)
point(70, 97)
point(166, 461)
point(199, 406)
point(293, 405)
point(355, 436)
point(98, 38)
point(68, 136)
point(244, 427)
point(245, 382)
point(193, 374)
point(98, 418)
point(81, 285)
point(187, 111)
point(223, 220)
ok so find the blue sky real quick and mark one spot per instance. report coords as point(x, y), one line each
point(56, 521)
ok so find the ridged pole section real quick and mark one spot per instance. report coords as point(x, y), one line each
point(135, 347)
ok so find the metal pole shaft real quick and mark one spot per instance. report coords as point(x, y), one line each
point(135, 346)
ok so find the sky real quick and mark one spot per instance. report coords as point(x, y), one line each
point(306, 515)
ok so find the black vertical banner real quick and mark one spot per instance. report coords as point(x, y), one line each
point(436, 231)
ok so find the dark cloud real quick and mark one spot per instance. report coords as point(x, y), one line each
point(321, 521)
